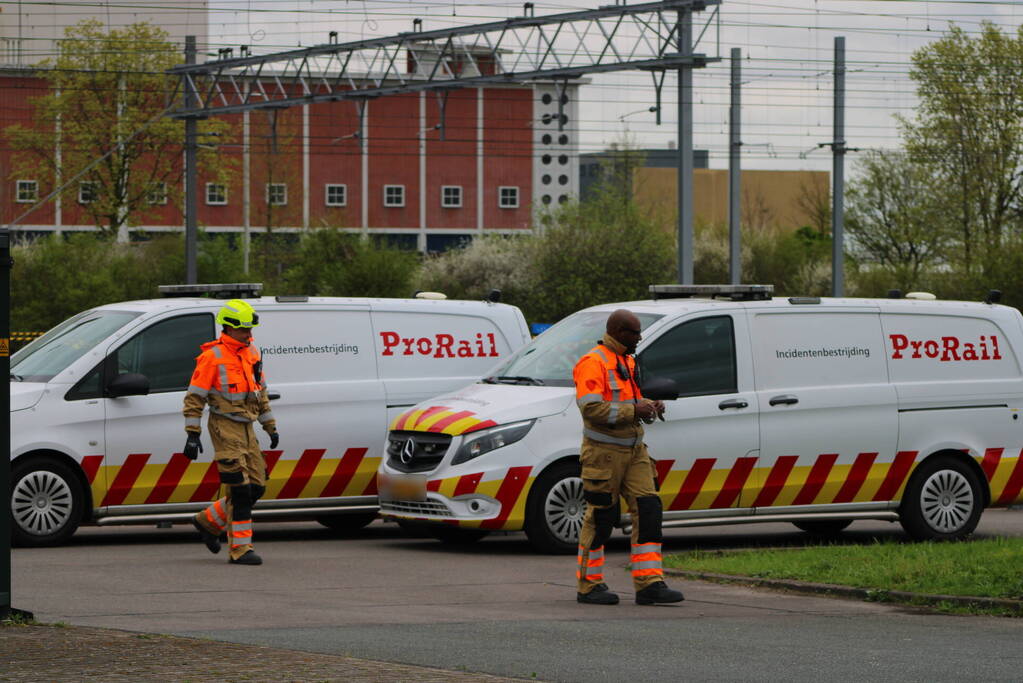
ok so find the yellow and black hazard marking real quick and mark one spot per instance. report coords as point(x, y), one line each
point(5, 347)
point(24, 336)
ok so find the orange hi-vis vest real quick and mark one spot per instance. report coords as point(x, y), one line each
point(228, 376)
point(606, 393)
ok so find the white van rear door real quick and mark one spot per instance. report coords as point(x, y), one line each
point(706, 447)
point(331, 412)
point(828, 414)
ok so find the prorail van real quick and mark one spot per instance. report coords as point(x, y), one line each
point(808, 410)
point(96, 402)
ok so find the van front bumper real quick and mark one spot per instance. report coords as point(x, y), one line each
point(491, 498)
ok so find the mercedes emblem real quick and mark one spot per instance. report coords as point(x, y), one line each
point(408, 451)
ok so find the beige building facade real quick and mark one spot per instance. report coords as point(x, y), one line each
point(769, 198)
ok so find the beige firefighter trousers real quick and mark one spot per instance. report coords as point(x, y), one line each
point(236, 451)
point(623, 472)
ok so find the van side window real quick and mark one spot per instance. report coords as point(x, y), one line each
point(90, 386)
point(165, 352)
point(699, 355)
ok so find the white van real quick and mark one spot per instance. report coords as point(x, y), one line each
point(812, 411)
point(96, 423)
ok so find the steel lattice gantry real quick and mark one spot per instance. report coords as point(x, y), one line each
point(653, 36)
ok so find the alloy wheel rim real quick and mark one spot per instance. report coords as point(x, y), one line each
point(946, 501)
point(565, 508)
point(41, 503)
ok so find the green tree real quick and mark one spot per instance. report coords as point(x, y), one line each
point(333, 263)
point(108, 91)
point(969, 129)
point(604, 249)
point(894, 217)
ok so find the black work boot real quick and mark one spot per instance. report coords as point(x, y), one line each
point(600, 595)
point(248, 558)
point(211, 541)
point(658, 593)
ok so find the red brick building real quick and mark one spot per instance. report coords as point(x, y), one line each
point(402, 169)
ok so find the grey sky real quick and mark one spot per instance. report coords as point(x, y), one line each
point(787, 46)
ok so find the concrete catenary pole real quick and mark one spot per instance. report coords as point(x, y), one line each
point(191, 175)
point(734, 172)
point(685, 149)
point(838, 174)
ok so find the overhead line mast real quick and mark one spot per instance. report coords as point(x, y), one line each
point(651, 36)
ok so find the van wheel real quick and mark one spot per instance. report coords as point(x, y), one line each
point(555, 510)
point(943, 501)
point(46, 503)
point(822, 527)
point(346, 523)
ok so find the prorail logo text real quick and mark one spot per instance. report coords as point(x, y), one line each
point(946, 348)
point(440, 345)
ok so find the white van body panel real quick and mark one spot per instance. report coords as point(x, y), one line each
point(332, 385)
point(827, 416)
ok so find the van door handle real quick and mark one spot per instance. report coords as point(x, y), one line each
point(733, 403)
point(274, 396)
point(783, 399)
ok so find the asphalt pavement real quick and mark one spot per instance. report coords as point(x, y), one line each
point(498, 608)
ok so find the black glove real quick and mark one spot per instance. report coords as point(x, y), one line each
point(274, 438)
point(193, 447)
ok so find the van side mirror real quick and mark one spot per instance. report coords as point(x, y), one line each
point(660, 389)
point(128, 384)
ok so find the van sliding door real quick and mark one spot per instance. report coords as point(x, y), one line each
point(828, 414)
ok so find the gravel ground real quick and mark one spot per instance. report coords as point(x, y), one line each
point(30, 653)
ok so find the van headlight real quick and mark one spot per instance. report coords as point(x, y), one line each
point(491, 439)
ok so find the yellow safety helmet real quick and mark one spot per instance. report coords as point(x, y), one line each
point(237, 313)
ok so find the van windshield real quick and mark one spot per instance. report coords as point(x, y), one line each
point(48, 355)
point(550, 358)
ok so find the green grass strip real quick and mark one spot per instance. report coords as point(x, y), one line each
point(989, 568)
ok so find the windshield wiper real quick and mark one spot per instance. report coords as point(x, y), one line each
point(17, 378)
point(516, 379)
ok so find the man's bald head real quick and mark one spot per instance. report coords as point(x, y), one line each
point(623, 326)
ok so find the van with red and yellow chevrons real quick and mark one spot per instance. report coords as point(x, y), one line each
point(809, 410)
point(96, 403)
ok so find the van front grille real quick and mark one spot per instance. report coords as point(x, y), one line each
point(416, 451)
point(413, 507)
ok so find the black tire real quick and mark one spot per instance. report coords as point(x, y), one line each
point(823, 527)
point(943, 501)
point(47, 502)
point(555, 510)
point(346, 523)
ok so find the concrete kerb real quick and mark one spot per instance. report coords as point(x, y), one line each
point(1014, 607)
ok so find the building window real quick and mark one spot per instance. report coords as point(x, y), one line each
point(216, 194)
point(27, 191)
point(394, 195)
point(508, 197)
point(337, 195)
point(86, 192)
point(158, 195)
point(451, 196)
point(277, 194)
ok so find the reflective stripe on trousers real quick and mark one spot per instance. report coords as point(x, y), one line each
point(594, 569)
point(241, 533)
point(216, 515)
point(646, 560)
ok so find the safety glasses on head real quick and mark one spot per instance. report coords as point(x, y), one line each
point(237, 314)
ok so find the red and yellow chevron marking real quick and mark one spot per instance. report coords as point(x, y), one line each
point(783, 483)
point(442, 420)
point(1005, 475)
point(180, 480)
